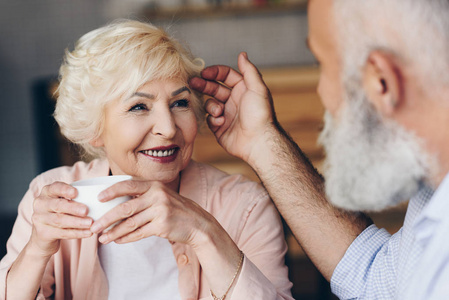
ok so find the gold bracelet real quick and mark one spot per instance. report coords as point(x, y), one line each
point(232, 281)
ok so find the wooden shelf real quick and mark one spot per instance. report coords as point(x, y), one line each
point(224, 10)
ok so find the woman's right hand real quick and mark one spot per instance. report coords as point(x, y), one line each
point(56, 217)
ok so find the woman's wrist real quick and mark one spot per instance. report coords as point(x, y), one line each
point(231, 283)
point(221, 261)
point(206, 237)
point(214, 241)
point(29, 267)
point(34, 248)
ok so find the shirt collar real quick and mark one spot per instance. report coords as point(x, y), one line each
point(194, 184)
point(434, 213)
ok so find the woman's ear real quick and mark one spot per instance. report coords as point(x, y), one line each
point(383, 82)
point(96, 142)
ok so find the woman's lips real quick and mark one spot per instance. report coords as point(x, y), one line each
point(162, 154)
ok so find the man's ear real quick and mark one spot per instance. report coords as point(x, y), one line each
point(383, 82)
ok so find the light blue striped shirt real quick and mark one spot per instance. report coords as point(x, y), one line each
point(411, 264)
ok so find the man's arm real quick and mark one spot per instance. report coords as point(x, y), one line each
point(242, 117)
point(297, 189)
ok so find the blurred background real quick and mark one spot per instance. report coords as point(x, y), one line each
point(34, 35)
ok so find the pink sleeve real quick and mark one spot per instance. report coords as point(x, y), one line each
point(20, 236)
point(264, 274)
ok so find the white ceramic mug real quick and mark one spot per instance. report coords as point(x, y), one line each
point(88, 190)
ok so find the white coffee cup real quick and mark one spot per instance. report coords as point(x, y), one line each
point(88, 190)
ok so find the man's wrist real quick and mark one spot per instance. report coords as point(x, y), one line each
point(265, 148)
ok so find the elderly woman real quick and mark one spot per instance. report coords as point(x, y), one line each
point(189, 232)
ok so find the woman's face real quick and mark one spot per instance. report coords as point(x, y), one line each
point(151, 134)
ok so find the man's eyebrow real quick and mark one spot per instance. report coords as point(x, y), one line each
point(179, 91)
point(145, 95)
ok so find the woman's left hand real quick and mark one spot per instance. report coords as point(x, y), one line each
point(155, 210)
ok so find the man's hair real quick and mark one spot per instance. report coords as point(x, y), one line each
point(110, 63)
point(414, 31)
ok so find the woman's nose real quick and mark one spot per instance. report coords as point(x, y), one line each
point(164, 123)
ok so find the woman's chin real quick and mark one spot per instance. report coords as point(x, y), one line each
point(160, 176)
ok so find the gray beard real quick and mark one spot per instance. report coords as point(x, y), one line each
point(371, 163)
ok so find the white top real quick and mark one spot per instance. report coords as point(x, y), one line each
point(145, 269)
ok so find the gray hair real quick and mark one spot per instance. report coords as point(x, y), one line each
point(414, 31)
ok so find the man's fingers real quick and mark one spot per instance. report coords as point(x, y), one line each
point(210, 88)
point(251, 75)
point(221, 73)
point(215, 123)
point(214, 108)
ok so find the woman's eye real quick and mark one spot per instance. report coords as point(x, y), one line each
point(181, 103)
point(138, 107)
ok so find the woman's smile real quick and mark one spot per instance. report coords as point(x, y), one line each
point(163, 154)
point(150, 135)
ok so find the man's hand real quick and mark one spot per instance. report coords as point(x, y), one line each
point(241, 112)
point(243, 120)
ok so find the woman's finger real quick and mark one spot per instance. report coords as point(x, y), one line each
point(138, 234)
point(127, 226)
point(52, 233)
point(59, 190)
point(118, 213)
point(125, 188)
point(43, 205)
point(64, 221)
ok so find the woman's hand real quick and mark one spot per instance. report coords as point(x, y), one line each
point(56, 218)
point(155, 210)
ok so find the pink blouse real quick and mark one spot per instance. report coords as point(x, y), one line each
point(242, 207)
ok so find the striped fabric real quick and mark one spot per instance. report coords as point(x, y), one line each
point(378, 265)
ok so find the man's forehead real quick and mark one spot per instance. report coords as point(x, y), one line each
point(322, 29)
point(320, 3)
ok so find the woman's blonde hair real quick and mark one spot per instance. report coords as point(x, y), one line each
point(113, 62)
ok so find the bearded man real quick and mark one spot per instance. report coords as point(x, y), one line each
point(385, 85)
